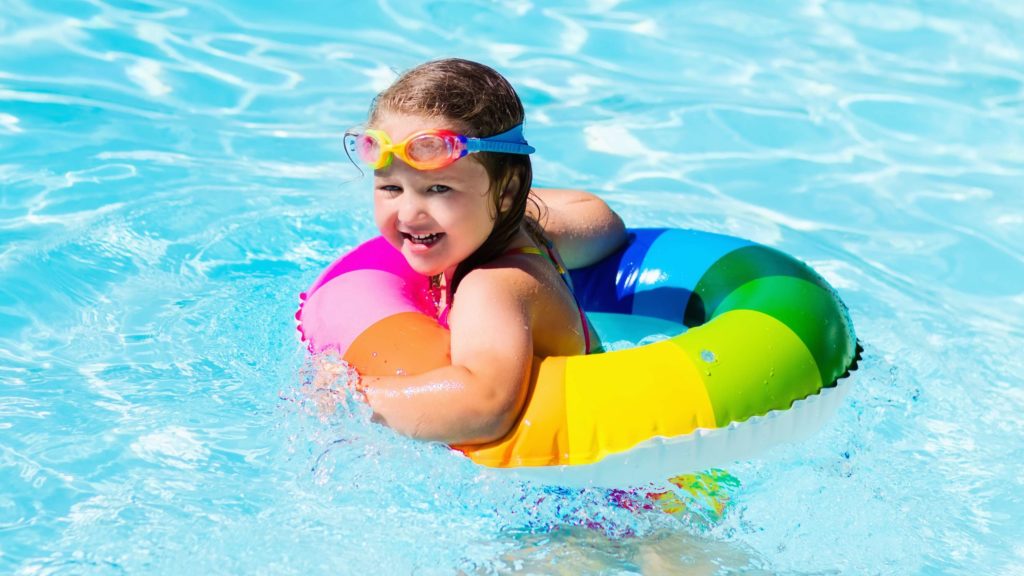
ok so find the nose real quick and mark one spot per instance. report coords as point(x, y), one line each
point(411, 208)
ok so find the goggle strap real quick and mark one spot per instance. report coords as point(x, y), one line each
point(509, 142)
point(349, 145)
point(506, 147)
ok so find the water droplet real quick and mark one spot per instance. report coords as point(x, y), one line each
point(707, 356)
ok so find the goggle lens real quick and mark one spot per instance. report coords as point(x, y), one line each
point(429, 150)
point(369, 149)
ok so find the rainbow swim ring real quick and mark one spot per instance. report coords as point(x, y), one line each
point(757, 345)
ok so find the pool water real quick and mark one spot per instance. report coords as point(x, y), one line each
point(171, 177)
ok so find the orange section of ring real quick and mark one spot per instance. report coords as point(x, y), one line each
point(404, 343)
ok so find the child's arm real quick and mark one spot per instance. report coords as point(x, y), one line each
point(478, 398)
point(583, 228)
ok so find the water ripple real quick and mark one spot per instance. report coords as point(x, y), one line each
point(171, 177)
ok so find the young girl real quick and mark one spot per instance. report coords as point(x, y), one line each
point(497, 249)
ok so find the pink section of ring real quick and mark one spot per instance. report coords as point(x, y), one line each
point(364, 286)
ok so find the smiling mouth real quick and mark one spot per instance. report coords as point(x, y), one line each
point(423, 239)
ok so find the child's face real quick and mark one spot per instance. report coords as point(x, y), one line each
point(436, 218)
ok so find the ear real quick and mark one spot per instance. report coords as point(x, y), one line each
point(508, 194)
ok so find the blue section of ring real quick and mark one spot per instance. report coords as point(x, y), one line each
point(672, 267)
point(608, 285)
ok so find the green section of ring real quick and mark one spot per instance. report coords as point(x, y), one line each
point(751, 364)
point(818, 317)
point(736, 269)
point(811, 312)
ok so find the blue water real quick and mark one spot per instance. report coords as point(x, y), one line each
point(171, 177)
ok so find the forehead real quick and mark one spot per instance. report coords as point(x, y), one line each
point(399, 126)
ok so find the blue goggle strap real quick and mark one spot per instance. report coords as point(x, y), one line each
point(509, 142)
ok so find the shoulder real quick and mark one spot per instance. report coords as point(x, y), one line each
point(504, 280)
point(492, 317)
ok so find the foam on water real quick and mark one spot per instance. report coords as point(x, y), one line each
point(171, 177)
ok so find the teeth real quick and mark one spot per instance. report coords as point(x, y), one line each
point(424, 238)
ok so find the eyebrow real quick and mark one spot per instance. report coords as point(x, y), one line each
point(448, 180)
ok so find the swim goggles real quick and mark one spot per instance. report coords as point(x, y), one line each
point(429, 149)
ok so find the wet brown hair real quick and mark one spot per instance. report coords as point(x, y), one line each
point(480, 102)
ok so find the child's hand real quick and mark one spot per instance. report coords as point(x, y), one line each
point(333, 382)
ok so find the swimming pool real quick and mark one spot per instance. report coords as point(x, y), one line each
point(171, 177)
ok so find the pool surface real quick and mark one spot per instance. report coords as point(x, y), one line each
point(171, 177)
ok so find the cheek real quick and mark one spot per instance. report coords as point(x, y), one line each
point(380, 210)
point(382, 216)
point(475, 215)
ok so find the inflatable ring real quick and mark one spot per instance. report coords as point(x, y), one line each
point(754, 345)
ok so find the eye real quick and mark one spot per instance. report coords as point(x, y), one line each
point(389, 190)
point(439, 189)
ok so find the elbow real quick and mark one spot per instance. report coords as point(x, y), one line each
point(615, 231)
point(604, 234)
point(495, 413)
point(492, 420)
point(610, 234)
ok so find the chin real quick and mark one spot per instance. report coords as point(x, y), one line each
point(424, 268)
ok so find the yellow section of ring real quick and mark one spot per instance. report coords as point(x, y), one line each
point(618, 399)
